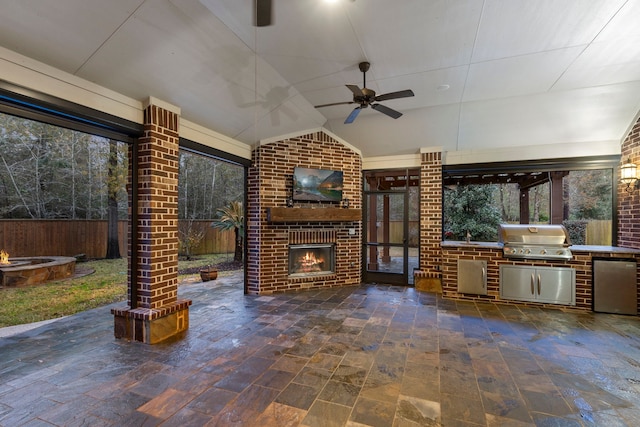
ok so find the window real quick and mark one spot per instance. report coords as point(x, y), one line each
point(578, 194)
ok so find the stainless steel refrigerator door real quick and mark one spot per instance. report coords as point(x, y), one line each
point(615, 287)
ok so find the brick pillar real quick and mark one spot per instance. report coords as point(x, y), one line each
point(429, 276)
point(157, 313)
point(629, 202)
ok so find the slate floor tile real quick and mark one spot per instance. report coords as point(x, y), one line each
point(369, 355)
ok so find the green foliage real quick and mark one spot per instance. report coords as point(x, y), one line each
point(231, 217)
point(577, 230)
point(590, 194)
point(470, 209)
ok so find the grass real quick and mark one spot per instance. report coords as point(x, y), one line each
point(108, 284)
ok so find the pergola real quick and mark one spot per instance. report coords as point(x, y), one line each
point(525, 181)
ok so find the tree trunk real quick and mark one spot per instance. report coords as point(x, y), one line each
point(237, 256)
point(113, 245)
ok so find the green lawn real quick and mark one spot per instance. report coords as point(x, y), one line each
point(107, 284)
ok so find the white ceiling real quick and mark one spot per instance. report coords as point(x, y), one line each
point(486, 73)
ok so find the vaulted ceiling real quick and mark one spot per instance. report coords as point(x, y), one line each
point(486, 74)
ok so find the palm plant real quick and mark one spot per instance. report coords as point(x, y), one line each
point(232, 217)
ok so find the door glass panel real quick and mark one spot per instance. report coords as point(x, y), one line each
point(385, 259)
point(385, 233)
point(386, 223)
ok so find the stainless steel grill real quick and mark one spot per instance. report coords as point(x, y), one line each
point(535, 241)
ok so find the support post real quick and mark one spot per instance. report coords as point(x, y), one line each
point(154, 313)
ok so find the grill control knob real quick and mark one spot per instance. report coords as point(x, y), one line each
point(527, 251)
point(543, 252)
point(560, 252)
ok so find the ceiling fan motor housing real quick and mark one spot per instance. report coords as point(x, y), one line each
point(368, 97)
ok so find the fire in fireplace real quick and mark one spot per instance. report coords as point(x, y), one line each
point(311, 259)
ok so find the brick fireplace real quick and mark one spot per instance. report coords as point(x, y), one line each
point(311, 224)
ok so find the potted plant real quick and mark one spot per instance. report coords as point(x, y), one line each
point(208, 273)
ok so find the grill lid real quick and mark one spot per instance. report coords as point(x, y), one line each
point(527, 234)
point(526, 241)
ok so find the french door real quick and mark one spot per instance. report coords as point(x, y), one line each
point(391, 226)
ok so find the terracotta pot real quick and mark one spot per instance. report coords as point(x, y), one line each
point(210, 274)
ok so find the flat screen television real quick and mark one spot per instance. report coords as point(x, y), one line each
point(317, 185)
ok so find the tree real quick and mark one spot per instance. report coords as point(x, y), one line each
point(232, 217)
point(114, 185)
point(190, 235)
point(470, 208)
point(52, 172)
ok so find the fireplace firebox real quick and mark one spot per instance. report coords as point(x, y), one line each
point(312, 259)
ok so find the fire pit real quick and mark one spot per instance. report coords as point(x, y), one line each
point(32, 271)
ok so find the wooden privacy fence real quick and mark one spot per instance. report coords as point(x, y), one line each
point(599, 232)
point(28, 238)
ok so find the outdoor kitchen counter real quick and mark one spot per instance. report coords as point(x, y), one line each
point(491, 253)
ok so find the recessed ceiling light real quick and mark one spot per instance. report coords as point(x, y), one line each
point(442, 88)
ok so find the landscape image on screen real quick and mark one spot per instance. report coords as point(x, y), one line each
point(319, 185)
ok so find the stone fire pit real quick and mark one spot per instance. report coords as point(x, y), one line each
point(32, 271)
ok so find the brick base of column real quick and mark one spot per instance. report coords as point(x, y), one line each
point(151, 326)
point(428, 281)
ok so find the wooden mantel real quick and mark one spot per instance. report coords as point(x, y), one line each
point(313, 214)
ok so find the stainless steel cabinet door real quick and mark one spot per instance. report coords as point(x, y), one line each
point(517, 283)
point(556, 285)
point(472, 277)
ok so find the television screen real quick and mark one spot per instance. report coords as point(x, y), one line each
point(318, 185)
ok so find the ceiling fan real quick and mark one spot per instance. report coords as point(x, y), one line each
point(366, 97)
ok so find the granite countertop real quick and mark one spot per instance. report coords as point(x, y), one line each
point(608, 249)
point(463, 244)
point(574, 248)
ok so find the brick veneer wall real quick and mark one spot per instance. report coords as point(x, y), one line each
point(270, 185)
point(430, 214)
point(629, 203)
point(581, 262)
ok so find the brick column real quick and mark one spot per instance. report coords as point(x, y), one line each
point(429, 276)
point(629, 202)
point(157, 313)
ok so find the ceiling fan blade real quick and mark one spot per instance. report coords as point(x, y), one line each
point(263, 13)
point(395, 95)
point(334, 103)
point(356, 90)
point(386, 110)
point(353, 115)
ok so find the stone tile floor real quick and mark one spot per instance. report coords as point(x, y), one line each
point(370, 355)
